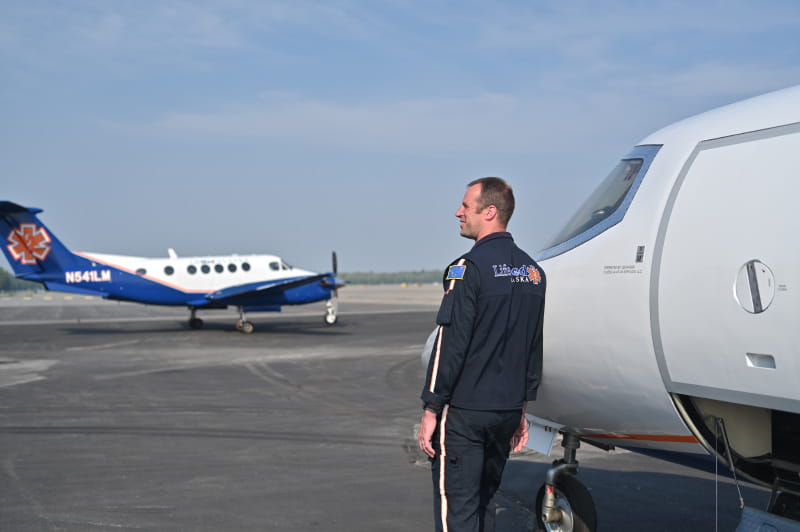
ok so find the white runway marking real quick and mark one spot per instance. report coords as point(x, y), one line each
point(102, 346)
point(15, 372)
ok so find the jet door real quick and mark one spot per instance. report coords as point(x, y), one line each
point(726, 291)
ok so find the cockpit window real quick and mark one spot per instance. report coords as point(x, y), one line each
point(605, 200)
point(607, 204)
point(274, 266)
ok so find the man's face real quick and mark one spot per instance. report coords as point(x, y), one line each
point(470, 213)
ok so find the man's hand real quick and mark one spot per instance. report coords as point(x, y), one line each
point(520, 437)
point(426, 427)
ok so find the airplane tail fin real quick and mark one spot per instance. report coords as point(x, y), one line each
point(31, 249)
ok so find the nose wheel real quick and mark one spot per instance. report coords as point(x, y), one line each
point(332, 305)
point(563, 504)
point(573, 507)
point(331, 311)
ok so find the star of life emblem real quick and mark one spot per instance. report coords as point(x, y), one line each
point(534, 275)
point(28, 243)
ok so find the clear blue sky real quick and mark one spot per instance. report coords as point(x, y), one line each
point(297, 127)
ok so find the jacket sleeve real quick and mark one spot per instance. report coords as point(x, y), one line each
point(535, 363)
point(456, 319)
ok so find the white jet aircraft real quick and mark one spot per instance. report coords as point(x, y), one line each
point(673, 307)
point(672, 325)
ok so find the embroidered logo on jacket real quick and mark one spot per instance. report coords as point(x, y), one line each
point(520, 274)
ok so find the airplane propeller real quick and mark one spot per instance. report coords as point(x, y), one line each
point(335, 270)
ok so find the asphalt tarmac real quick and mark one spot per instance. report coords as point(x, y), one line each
point(117, 416)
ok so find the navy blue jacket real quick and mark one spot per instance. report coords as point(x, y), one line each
point(488, 350)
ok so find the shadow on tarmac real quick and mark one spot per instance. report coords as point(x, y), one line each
point(634, 500)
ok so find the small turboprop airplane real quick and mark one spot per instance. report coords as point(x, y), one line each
point(252, 283)
point(673, 310)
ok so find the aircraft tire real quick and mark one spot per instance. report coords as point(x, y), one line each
point(247, 327)
point(196, 323)
point(575, 501)
point(330, 319)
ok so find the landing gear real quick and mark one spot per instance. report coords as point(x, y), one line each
point(573, 504)
point(332, 305)
point(242, 325)
point(194, 321)
point(331, 310)
point(563, 504)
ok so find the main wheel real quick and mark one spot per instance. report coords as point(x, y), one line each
point(576, 505)
point(247, 327)
point(196, 323)
point(330, 319)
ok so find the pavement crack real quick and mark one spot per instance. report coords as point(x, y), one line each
point(9, 467)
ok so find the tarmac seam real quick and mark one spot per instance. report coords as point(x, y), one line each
point(178, 432)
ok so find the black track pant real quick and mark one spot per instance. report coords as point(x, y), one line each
point(472, 447)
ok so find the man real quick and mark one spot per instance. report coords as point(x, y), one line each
point(486, 362)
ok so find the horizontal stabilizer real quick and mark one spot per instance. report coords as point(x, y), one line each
point(8, 207)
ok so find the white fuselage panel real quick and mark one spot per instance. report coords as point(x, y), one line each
point(726, 333)
point(203, 274)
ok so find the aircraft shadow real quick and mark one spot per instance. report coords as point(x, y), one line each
point(273, 328)
point(635, 500)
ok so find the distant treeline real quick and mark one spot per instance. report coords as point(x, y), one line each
point(422, 276)
point(9, 283)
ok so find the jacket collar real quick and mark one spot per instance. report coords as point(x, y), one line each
point(492, 236)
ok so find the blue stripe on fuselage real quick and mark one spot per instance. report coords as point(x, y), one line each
point(91, 278)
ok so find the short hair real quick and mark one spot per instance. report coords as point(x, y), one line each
point(495, 191)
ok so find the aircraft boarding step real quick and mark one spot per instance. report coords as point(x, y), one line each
point(758, 521)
